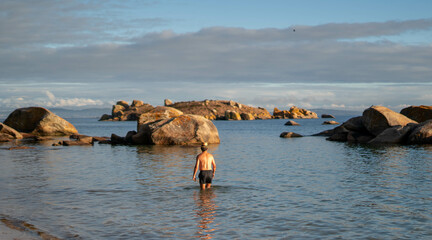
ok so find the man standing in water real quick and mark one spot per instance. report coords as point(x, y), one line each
point(205, 162)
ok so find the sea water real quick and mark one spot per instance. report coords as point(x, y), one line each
point(266, 187)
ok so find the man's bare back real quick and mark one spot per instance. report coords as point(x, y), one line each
point(206, 164)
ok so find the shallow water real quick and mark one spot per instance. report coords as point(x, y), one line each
point(266, 187)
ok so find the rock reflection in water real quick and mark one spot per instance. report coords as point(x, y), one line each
point(206, 213)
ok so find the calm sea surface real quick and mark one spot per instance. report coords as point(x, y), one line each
point(266, 187)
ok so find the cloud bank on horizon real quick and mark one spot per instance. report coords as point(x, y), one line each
point(62, 54)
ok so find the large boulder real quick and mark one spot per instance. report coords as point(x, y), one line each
point(137, 103)
point(123, 103)
point(158, 113)
point(418, 113)
point(376, 119)
point(396, 134)
point(7, 133)
point(186, 129)
point(167, 102)
point(40, 122)
point(118, 110)
point(421, 134)
point(355, 124)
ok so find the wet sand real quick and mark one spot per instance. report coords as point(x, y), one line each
point(19, 230)
point(7, 233)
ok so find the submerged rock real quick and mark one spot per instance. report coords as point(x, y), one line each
point(292, 123)
point(40, 122)
point(330, 123)
point(327, 116)
point(80, 140)
point(289, 135)
point(20, 148)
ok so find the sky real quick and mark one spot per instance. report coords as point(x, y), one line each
point(333, 54)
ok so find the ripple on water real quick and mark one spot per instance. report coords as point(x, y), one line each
point(265, 188)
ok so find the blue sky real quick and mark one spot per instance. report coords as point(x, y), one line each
point(342, 54)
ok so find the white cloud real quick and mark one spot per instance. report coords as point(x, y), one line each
point(50, 96)
point(328, 65)
point(75, 102)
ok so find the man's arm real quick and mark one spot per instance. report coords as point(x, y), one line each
point(195, 169)
point(214, 166)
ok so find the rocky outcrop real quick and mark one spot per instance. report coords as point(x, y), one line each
point(158, 113)
point(418, 113)
point(293, 113)
point(39, 121)
point(380, 125)
point(216, 109)
point(290, 135)
point(376, 119)
point(186, 129)
point(122, 111)
point(7, 133)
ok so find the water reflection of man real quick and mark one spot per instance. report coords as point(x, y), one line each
point(206, 211)
point(207, 166)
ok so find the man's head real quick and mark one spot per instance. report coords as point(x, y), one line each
point(204, 147)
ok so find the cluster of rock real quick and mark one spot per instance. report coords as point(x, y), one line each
point(220, 110)
point(209, 109)
point(379, 124)
point(293, 113)
point(160, 125)
point(39, 124)
point(122, 111)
